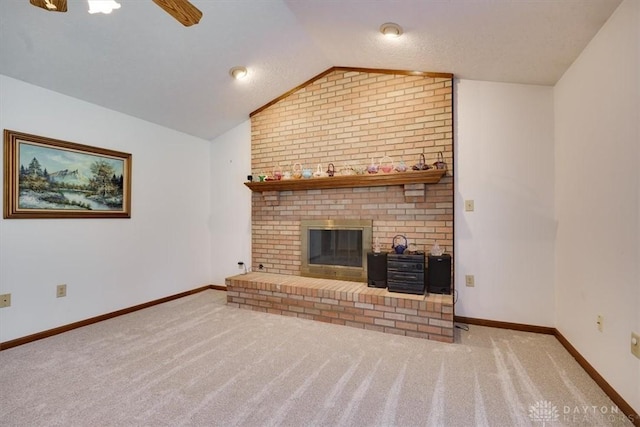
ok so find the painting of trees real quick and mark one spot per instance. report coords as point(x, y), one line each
point(49, 178)
point(101, 182)
point(32, 177)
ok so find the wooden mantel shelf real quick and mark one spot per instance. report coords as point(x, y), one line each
point(431, 176)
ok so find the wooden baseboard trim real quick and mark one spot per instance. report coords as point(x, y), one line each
point(218, 287)
point(55, 331)
point(505, 325)
point(629, 412)
point(602, 383)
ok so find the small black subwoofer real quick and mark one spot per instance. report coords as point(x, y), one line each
point(439, 274)
point(377, 270)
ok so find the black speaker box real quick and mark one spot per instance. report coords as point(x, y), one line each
point(439, 274)
point(377, 270)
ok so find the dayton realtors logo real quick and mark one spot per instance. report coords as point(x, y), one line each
point(584, 413)
point(543, 412)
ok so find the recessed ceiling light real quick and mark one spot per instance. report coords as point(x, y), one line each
point(238, 73)
point(391, 30)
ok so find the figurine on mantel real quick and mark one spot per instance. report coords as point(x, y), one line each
point(440, 164)
point(372, 168)
point(331, 170)
point(386, 164)
point(421, 165)
point(348, 170)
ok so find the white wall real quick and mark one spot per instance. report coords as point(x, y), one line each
point(597, 115)
point(230, 202)
point(504, 162)
point(107, 264)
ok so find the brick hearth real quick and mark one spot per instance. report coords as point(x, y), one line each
point(344, 303)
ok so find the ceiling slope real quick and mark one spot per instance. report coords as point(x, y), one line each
point(143, 63)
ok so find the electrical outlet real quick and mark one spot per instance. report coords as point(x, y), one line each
point(469, 280)
point(468, 205)
point(61, 291)
point(600, 322)
point(635, 344)
point(5, 300)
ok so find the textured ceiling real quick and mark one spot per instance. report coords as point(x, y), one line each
point(142, 62)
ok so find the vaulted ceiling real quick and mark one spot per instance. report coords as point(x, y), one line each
point(141, 62)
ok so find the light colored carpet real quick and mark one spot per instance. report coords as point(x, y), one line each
point(196, 362)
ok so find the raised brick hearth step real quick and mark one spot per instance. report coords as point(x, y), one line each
point(344, 303)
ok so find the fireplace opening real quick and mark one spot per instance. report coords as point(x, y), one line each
point(335, 249)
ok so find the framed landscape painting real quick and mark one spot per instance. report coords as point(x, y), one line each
point(49, 178)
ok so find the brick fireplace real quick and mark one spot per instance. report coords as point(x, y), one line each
point(351, 118)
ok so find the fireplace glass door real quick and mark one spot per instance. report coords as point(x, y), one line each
point(335, 249)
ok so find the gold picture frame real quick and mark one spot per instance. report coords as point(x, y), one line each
point(51, 178)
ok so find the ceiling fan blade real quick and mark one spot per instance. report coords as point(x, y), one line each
point(51, 5)
point(186, 13)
